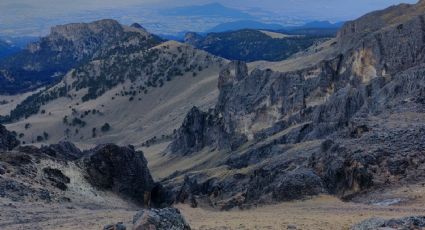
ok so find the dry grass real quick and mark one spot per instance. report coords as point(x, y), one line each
point(323, 212)
point(157, 113)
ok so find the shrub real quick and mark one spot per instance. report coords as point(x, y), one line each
point(94, 132)
point(45, 135)
point(106, 127)
point(77, 121)
point(39, 139)
point(65, 120)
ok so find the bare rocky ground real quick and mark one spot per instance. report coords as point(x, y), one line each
point(322, 212)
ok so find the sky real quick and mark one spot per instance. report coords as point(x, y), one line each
point(30, 16)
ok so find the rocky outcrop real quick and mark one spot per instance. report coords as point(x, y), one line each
point(368, 99)
point(199, 129)
point(117, 226)
point(121, 170)
point(412, 222)
point(343, 174)
point(160, 219)
point(8, 141)
point(62, 150)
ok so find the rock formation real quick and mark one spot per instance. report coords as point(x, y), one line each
point(368, 99)
point(63, 150)
point(412, 222)
point(121, 170)
point(160, 219)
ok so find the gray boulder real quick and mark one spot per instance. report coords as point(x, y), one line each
point(118, 226)
point(160, 219)
point(121, 170)
point(406, 223)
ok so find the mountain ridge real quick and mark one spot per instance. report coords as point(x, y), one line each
point(66, 47)
point(156, 81)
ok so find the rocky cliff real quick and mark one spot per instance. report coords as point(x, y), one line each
point(367, 99)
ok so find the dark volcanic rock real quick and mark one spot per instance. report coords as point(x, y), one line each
point(57, 178)
point(198, 130)
point(342, 173)
point(160, 219)
point(7, 140)
point(120, 169)
point(17, 191)
point(413, 222)
point(62, 150)
point(298, 185)
point(118, 226)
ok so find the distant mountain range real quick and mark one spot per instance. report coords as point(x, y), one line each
point(313, 28)
point(245, 44)
point(7, 49)
point(208, 10)
point(12, 45)
point(252, 24)
point(244, 24)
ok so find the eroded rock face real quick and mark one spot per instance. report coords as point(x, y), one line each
point(160, 219)
point(121, 170)
point(412, 222)
point(7, 140)
point(368, 99)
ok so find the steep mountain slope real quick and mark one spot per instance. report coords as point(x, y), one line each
point(345, 124)
point(66, 47)
point(128, 95)
point(245, 44)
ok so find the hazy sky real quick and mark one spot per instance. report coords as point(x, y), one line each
point(18, 13)
point(347, 7)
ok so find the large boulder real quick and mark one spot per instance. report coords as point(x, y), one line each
point(8, 141)
point(160, 219)
point(118, 226)
point(298, 185)
point(121, 170)
point(412, 222)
